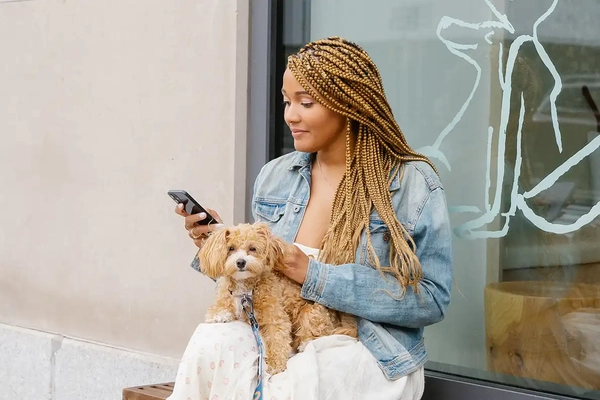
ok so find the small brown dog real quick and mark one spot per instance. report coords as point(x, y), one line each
point(247, 259)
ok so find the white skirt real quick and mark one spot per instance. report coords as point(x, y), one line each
point(220, 363)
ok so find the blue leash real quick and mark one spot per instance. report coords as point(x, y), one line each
point(249, 311)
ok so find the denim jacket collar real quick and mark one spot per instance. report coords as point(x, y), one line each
point(302, 160)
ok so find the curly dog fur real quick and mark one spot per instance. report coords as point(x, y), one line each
point(249, 259)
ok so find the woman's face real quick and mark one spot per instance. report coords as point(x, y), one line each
point(314, 127)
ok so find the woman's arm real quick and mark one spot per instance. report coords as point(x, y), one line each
point(362, 291)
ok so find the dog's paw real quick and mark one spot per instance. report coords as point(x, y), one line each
point(302, 346)
point(347, 331)
point(220, 317)
point(275, 370)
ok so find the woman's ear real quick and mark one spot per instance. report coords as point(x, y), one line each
point(213, 253)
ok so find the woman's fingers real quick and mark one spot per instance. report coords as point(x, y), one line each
point(180, 210)
point(199, 233)
point(192, 220)
point(215, 215)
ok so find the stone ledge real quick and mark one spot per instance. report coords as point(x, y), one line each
point(44, 366)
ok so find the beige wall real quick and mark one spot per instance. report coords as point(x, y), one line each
point(104, 106)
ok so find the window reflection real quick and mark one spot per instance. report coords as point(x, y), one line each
point(493, 92)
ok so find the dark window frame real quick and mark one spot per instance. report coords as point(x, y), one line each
point(265, 37)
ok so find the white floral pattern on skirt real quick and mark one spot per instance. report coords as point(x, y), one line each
point(220, 363)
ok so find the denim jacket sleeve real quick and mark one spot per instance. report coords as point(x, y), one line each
point(360, 290)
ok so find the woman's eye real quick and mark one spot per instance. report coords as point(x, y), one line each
point(252, 248)
point(307, 105)
point(286, 103)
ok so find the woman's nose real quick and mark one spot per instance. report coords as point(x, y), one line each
point(291, 114)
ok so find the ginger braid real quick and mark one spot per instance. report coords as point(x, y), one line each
point(342, 77)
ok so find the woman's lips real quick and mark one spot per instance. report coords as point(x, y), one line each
point(296, 133)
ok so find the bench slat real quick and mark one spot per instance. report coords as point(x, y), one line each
point(150, 392)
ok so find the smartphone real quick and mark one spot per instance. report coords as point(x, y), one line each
point(191, 206)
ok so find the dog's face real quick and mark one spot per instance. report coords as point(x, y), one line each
point(242, 251)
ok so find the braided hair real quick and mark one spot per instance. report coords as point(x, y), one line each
point(341, 76)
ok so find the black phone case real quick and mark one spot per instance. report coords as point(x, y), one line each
point(190, 205)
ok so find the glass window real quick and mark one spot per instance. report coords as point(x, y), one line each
point(500, 95)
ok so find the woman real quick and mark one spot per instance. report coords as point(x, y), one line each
point(374, 214)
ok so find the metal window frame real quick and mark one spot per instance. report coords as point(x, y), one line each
point(265, 24)
point(446, 386)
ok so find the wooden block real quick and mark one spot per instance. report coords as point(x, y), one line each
point(150, 392)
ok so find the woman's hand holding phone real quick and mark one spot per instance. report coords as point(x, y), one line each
point(198, 233)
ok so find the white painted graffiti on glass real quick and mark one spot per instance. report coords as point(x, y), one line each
point(476, 228)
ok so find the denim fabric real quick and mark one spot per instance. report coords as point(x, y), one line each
point(391, 328)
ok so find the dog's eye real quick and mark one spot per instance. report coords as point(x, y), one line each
point(252, 248)
point(231, 248)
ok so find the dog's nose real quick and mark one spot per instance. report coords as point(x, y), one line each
point(241, 263)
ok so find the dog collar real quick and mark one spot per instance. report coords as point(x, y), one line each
point(241, 293)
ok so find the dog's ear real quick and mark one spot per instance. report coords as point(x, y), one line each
point(279, 250)
point(262, 228)
point(213, 253)
point(276, 249)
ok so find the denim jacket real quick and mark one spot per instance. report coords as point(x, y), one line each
point(391, 328)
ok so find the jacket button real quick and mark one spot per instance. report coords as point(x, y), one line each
point(296, 208)
point(386, 236)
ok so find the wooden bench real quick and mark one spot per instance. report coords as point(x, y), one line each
point(151, 392)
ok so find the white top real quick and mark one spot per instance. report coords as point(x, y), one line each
point(309, 251)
